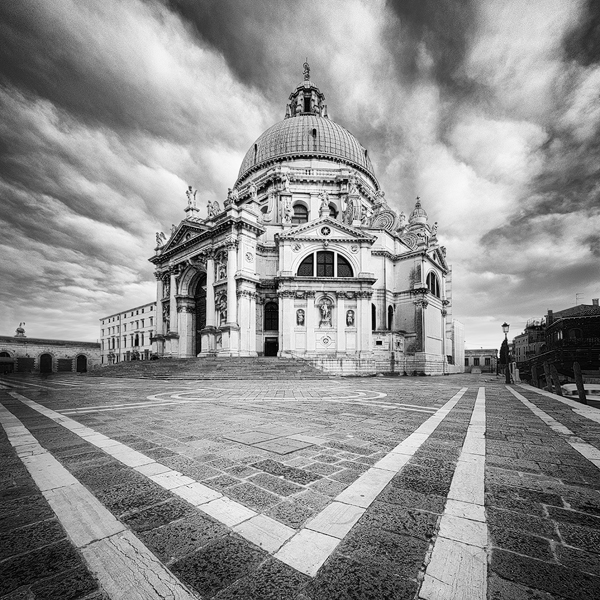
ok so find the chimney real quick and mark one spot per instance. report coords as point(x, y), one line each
point(595, 301)
point(549, 318)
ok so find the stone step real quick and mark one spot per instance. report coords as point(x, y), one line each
point(214, 368)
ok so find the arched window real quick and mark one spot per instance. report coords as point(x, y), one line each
point(333, 211)
point(343, 267)
point(433, 285)
point(373, 317)
point(390, 316)
point(271, 316)
point(307, 267)
point(328, 264)
point(300, 214)
point(4, 355)
point(325, 264)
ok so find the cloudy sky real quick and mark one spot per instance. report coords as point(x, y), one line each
point(489, 110)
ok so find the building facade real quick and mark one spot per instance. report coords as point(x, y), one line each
point(306, 259)
point(127, 335)
point(484, 360)
point(22, 354)
point(530, 342)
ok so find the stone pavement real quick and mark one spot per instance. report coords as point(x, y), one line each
point(375, 488)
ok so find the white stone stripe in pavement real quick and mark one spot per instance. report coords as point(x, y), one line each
point(458, 566)
point(308, 549)
point(587, 450)
point(124, 567)
point(269, 534)
point(589, 412)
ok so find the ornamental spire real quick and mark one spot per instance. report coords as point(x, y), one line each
point(306, 70)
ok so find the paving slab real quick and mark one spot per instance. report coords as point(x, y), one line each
point(287, 515)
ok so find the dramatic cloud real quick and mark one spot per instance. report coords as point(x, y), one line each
point(488, 110)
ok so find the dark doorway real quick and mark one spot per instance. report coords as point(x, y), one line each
point(271, 346)
point(81, 363)
point(200, 298)
point(46, 363)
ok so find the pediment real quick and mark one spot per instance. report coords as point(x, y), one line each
point(438, 257)
point(326, 228)
point(185, 232)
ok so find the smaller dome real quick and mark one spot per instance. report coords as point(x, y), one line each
point(418, 215)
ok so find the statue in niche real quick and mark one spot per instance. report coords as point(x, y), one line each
point(300, 317)
point(191, 197)
point(325, 310)
point(166, 317)
point(287, 211)
point(286, 182)
point(221, 268)
point(222, 308)
point(166, 287)
point(350, 318)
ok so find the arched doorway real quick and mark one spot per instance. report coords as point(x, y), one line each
point(7, 364)
point(200, 312)
point(81, 363)
point(46, 363)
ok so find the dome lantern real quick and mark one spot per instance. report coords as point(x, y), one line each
point(306, 99)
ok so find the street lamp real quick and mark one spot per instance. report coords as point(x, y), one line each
point(504, 352)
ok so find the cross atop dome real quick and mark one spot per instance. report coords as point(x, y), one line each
point(306, 99)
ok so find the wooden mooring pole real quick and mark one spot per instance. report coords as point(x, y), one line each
point(556, 380)
point(534, 376)
point(579, 383)
point(548, 376)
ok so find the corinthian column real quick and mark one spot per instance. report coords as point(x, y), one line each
point(173, 301)
point(231, 284)
point(210, 289)
point(159, 294)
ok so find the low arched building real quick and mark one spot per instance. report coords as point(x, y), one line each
point(306, 258)
point(23, 354)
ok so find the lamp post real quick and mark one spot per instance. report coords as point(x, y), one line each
point(504, 352)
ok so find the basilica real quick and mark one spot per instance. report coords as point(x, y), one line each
point(306, 259)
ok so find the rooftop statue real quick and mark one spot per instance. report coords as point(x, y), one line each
point(191, 196)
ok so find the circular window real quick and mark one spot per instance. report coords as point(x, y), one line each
point(325, 231)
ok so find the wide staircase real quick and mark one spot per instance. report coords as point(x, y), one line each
point(213, 368)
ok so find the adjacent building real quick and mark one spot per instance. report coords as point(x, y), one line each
point(484, 360)
point(530, 342)
point(306, 259)
point(127, 335)
point(22, 354)
point(562, 338)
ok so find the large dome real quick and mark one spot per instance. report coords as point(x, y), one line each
point(310, 136)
